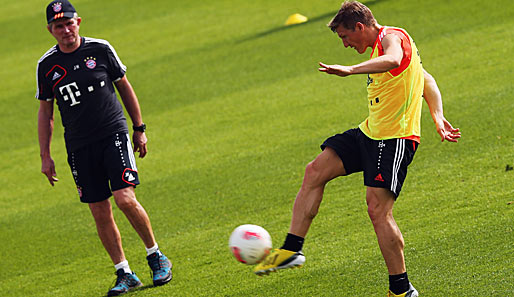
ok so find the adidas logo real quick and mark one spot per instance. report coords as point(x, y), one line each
point(130, 177)
point(379, 177)
point(56, 76)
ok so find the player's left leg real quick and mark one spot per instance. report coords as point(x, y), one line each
point(126, 201)
point(161, 266)
point(380, 210)
point(123, 176)
point(120, 165)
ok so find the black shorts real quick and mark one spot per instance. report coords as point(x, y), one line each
point(102, 167)
point(384, 162)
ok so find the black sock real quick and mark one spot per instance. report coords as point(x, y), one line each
point(399, 283)
point(293, 243)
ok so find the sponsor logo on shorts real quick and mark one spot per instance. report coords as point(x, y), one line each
point(379, 178)
point(79, 190)
point(129, 176)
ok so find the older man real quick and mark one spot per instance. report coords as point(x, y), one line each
point(80, 74)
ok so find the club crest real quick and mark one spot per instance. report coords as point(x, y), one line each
point(90, 62)
point(57, 6)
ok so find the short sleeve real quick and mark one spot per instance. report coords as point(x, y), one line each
point(44, 90)
point(116, 68)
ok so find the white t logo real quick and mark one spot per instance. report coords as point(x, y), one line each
point(71, 93)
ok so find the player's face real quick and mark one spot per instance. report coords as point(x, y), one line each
point(66, 32)
point(352, 38)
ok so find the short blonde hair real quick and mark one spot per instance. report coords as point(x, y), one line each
point(350, 13)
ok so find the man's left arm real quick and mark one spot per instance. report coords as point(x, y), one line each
point(391, 59)
point(435, 104)
point(129, 98)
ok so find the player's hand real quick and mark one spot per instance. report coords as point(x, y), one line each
point(446, 131)
point(336, 69)
point(48, 169)
point(139, 139)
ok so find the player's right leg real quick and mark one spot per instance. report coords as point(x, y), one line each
point(125, 282)
point(93, 189)
point(110, 236)
point(318, 173)
point(107, 230)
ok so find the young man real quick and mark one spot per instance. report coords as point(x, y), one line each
point(79, 73)
point(382, 146)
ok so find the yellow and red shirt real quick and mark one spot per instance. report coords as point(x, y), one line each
point(395, 96)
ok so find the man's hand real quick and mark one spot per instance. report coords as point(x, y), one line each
point(48, 169)
point(336, 69)
point(139, 139)
point(446, 131)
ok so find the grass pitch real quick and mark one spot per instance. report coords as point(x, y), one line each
point(235, 108)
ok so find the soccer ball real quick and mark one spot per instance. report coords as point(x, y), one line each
point(250, 244)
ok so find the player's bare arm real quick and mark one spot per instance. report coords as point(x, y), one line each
point(45, 130)
point(432, 96)
point(129, 98)
point(393, 54)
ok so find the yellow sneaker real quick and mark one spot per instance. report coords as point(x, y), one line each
point(279, 259)
point(412, 292)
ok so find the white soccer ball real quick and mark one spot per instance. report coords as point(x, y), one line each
point(250, 244)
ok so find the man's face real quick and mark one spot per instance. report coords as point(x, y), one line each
point(65, 31)
point(352, 38)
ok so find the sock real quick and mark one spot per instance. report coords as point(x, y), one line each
point(154, 249)
point(293, 243)
point(399, 283)
point(123, 265)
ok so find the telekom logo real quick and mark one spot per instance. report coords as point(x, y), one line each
point(251, 235)
point(70, 93)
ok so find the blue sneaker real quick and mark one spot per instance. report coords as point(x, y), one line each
point(124, 283)
point(161, 268)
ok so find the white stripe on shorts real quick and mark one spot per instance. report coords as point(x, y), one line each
point(398, 157)
point(132, 159)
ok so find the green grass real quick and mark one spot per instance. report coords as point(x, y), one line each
point(235, 109)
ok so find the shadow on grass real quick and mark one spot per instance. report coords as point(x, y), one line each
point(283, 28)
point(311, 20)
point(142, 288)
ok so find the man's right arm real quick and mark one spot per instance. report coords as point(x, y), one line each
point(391, 59)
point(45, 124)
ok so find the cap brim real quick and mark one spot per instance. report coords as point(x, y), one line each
point(64, 15)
